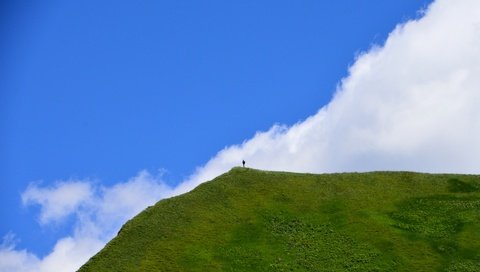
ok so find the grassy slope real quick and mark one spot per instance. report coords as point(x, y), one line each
point(250, 220)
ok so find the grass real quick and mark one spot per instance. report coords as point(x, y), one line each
point(251, 220)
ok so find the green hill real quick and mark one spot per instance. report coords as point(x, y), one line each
point(251, 220)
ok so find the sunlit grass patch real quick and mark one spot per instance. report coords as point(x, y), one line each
point(251, 220)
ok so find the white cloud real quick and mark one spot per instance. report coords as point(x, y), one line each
point(15, 260)
point(59, 201)
point(99, 213)
point(70, 253)
point(12, 260)
point(411, 104)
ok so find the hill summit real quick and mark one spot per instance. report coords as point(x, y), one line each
point(252, 220)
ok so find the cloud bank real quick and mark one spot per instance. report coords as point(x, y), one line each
point(410, 104)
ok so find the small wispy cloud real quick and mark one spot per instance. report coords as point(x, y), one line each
point(98, 213)
point(58, 201)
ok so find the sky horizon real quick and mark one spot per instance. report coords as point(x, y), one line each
point(110, 107)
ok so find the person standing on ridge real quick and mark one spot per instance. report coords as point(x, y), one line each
point(243, 162)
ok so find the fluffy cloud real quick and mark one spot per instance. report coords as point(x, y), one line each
point(99, 212)
point(410, 104)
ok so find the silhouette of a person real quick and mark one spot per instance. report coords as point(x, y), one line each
point(243, 162)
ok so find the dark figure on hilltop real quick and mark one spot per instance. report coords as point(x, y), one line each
point(243, 162)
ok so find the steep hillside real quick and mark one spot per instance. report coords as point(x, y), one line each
point(251, 220)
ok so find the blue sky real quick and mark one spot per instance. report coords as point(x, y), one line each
point(99, 91)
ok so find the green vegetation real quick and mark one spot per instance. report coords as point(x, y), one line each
point(251, 220)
